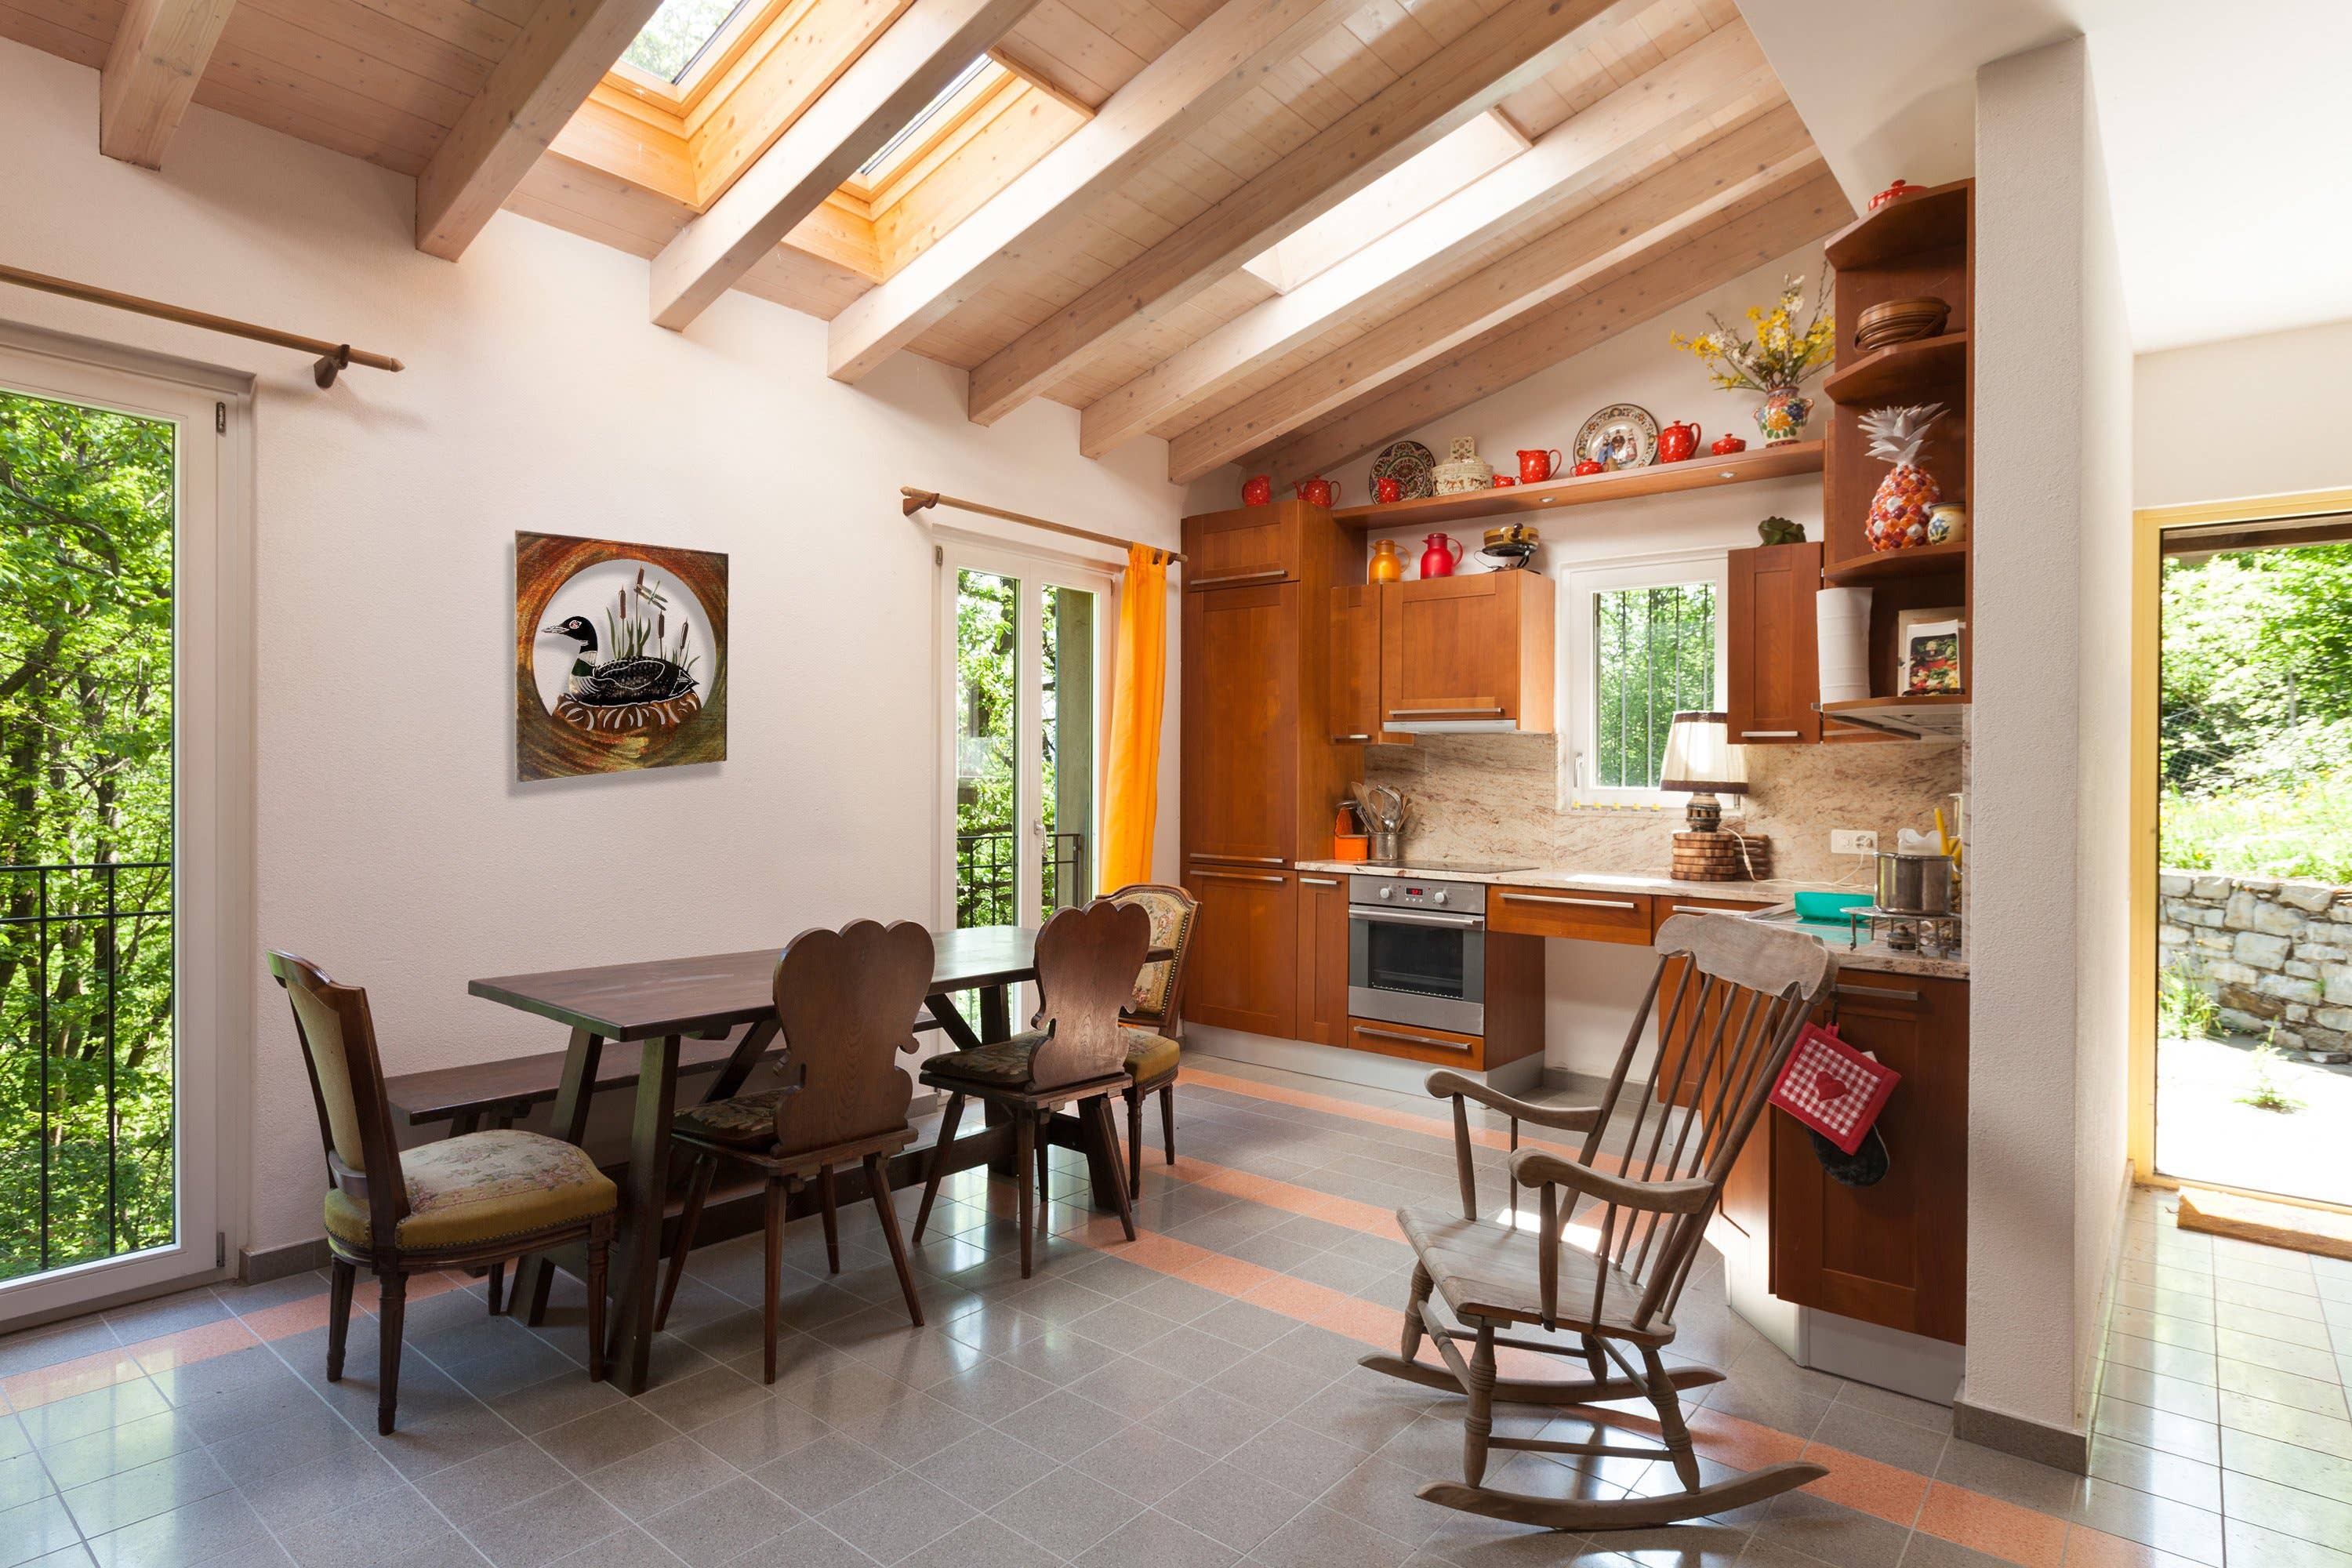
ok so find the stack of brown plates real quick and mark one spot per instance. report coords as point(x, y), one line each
point(1899, 322)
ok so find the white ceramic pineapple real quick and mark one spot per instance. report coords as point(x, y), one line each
point(1898, 512)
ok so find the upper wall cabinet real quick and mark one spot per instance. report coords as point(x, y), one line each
point(1239, 549)
point(1467, 654)
point(1773, 681)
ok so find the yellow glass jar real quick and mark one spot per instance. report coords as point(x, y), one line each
point(1388, 562)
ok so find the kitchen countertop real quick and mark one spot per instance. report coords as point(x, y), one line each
point(1872, 956)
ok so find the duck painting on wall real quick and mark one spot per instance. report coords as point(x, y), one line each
point(620, 655)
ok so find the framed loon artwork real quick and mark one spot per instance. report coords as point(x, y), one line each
point(620, 655)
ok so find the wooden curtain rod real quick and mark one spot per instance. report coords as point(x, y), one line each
point(332, 357)
point(917, 500)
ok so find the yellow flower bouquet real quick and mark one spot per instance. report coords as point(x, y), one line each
point(1780, 354)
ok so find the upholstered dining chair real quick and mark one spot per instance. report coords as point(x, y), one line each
point(843, 1001)
point(1088, 959)
point(476, 1199)
point(1741, 995)
point(1153, 1023)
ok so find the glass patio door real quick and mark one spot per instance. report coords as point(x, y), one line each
point(108, 493)
point(1026, 725)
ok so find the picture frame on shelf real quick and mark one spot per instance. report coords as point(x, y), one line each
point(1929, 652)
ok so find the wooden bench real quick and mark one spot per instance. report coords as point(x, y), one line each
point(505, 1090)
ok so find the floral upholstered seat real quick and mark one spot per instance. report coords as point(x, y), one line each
point(746, 1119)
point(483, 1185)
point(1170, 910)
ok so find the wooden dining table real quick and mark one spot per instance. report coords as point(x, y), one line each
point(656, 1005)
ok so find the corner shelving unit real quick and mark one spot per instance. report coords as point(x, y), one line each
point(1922, 244)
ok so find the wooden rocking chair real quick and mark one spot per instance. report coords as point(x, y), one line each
point(1741, 994)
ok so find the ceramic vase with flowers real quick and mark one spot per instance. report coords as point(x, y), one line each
point(1899, 511)
point(1778, 359)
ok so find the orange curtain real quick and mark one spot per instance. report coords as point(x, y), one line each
point(1132, 796)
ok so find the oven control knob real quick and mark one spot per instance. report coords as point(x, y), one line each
point(1440, 898)
point(1387, 893)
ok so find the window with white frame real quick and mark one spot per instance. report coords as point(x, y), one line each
point(1644, 643)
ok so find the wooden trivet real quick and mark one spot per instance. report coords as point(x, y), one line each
point(1722, 857)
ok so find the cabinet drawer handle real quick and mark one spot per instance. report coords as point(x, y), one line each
point(1879, 993)
point(1239, 876)
point(1320, 881)
point(1588, 903)
point(1341, 740)
point(1769, 734)
point(1443, 712)
point(1708, 909)
point(1241, 859)
point(1410, 1039)
point(1240, 577)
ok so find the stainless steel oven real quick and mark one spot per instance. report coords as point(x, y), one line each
point(1417, 952)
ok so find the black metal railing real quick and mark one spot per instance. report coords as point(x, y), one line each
point(85, 954)
point(985, 868)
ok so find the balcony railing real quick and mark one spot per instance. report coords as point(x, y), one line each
point(87, 1104)
point(985, 867)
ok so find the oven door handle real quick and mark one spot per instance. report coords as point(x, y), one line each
point(1414, 917)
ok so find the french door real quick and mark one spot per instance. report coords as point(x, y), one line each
point(1026, 693)
point(118, 862)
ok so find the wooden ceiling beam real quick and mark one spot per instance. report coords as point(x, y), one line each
point(1520, 42)
point(1512, 353)
point(1585, 152)
point(1765, 156)
point(1232, 52)
point(158, 56)
point(895, 79)
point(546, 74)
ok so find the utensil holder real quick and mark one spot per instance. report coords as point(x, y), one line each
point(1387, 847)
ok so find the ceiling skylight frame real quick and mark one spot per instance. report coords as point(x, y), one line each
point(970, 91)
point(745, 24)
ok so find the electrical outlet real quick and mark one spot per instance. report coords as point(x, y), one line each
point(1853, 841)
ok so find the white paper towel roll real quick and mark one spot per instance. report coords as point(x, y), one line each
point(1842, 621)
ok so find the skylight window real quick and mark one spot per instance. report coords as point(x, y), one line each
point(904, 139)
point(677, 35)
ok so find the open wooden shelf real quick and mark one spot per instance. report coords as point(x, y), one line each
point(1931, 218)
point(1698, 473)
point(1919, 561)
point(1921, 718)
point(1901, 371)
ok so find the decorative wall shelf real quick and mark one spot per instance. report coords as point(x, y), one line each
point(1880, 565)
point(1697, 473)
point(1901, 372)
point(1925, 220)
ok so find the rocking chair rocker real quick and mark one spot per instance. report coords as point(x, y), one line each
point(1741, 994)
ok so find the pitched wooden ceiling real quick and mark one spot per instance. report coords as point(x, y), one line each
point(1272, 231)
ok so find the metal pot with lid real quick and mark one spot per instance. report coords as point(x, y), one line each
point(1914, 884)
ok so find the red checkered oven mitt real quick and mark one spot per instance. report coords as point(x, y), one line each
point(1834, 1088)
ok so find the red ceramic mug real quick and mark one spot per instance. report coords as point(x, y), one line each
point(1535, 467)
point(1504, 482)
point(1257, 491)
point(1386, 489)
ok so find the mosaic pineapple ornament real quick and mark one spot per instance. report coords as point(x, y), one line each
point(1898, 512)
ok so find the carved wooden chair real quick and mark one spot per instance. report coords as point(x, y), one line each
point(842, 1002)
point(1733, 1015)
point(475, 1199)
point(1153, 1022)
point(1088, 960)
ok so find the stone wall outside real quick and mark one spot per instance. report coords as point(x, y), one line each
point(2276, 956)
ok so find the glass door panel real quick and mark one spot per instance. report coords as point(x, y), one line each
point(987, 720)
point(1068, 758)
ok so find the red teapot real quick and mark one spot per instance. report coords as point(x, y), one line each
point(1437, 560)
point(1589, 466)
point(1257, 491)
point(1676, 442)
point(1319, 491)
point(1535, 467)
point(1726, 445)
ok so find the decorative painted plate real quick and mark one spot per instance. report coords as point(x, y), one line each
point(1409, 464)
point(1622, 436)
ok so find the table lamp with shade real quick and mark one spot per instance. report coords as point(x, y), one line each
point(1701, 759)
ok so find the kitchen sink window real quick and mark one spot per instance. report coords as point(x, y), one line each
point(1643, 644)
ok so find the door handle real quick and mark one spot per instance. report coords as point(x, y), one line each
point(1588, 903)
point(1341, 740)
point(1879, 993)
point(1410, 1039)
point(1240, 577)
point(1707, 910)
point(1320, 881)
point(1415, 917)
point(1239, 876)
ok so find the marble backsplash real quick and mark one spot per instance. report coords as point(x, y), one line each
point(1495, 798)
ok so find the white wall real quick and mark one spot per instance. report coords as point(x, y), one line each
point(2283, 430)
point(396, 849)
point(2050, 749)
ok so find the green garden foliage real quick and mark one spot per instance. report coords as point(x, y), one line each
point(2256, 713)
point(1654, 657)
point(86, 1018)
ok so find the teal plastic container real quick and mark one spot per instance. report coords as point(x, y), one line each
point(1828, 906)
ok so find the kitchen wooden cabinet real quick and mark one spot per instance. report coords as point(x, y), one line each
point(1250, 546)
point(1415, 1042)
point(1474, 649)
point(1772, 664)
point(1241, 710)
point(1322, 995)
point(1243, 972)
point(1894, 1253)
point(1355, 659)
point(1559, 912)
